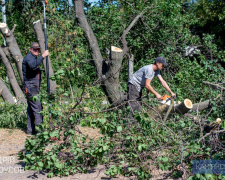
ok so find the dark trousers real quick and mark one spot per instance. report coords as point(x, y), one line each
point(34, 118)
point(33, 114)
point(134, 98)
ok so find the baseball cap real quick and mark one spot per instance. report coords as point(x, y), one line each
point(161, 60)
point(34, 45)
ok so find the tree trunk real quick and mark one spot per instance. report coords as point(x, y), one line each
point(89, 35)
point(41, 41)
point(4, 91)
point(16, 88)
point(111, 83)
point(13, 47)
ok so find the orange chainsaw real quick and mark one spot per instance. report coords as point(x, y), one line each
point(166, 99)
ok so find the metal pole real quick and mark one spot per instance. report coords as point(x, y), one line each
point(47, 65)
point(46, 48)
point(4, 15)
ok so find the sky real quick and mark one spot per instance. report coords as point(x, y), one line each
point(92, 1)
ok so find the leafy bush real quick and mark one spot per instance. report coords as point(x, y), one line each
point(12, 116)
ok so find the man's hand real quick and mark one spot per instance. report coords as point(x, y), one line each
point(158, 96)
point(173, 95)
point(45, 54)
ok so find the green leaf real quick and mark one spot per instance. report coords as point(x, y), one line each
point(119, 128)
point(50, 175)
point(40, 164)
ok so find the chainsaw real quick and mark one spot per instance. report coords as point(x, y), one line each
point(166, 99)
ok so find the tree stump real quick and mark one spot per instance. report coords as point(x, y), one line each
point(183, 107)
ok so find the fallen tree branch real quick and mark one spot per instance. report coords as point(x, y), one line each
point(210, 134)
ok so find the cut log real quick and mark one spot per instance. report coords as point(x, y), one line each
point(202, 105)
point(181, 108)
point(13, 47)
point(41, 40)
point(184, 106)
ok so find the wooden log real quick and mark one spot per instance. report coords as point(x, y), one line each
point(13, 47)
point(180, 108)
point(41, 40)
point(184, 106)
point(202, 105)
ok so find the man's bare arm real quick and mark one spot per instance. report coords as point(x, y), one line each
point(165, 85)
point(150, 88)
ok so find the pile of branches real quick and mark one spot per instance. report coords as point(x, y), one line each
point(139, 146)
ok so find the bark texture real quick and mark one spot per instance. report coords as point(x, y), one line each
point(201, 106)
point(14, 83)
point(4, 91)
point(13, 47)
point(111, 83)
point(41, 40)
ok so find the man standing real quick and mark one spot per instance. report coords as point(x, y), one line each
point(142, 78)
point(31, 85)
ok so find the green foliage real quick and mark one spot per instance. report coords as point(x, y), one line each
point(211, 18)
point(128, 146)
point(12, 116)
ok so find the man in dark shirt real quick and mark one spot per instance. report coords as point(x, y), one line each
point(31, 85)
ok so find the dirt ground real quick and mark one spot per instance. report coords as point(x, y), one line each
point(12, 142)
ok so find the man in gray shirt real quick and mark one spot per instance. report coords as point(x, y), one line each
point(142, 78)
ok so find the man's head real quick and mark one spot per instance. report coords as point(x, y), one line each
point(34, 48)
point(160, 62)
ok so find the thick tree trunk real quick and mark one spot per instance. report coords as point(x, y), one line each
point(16, 88)
point(4, 91)
point(111, 83)
point(41, 41)
point(13, 47)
